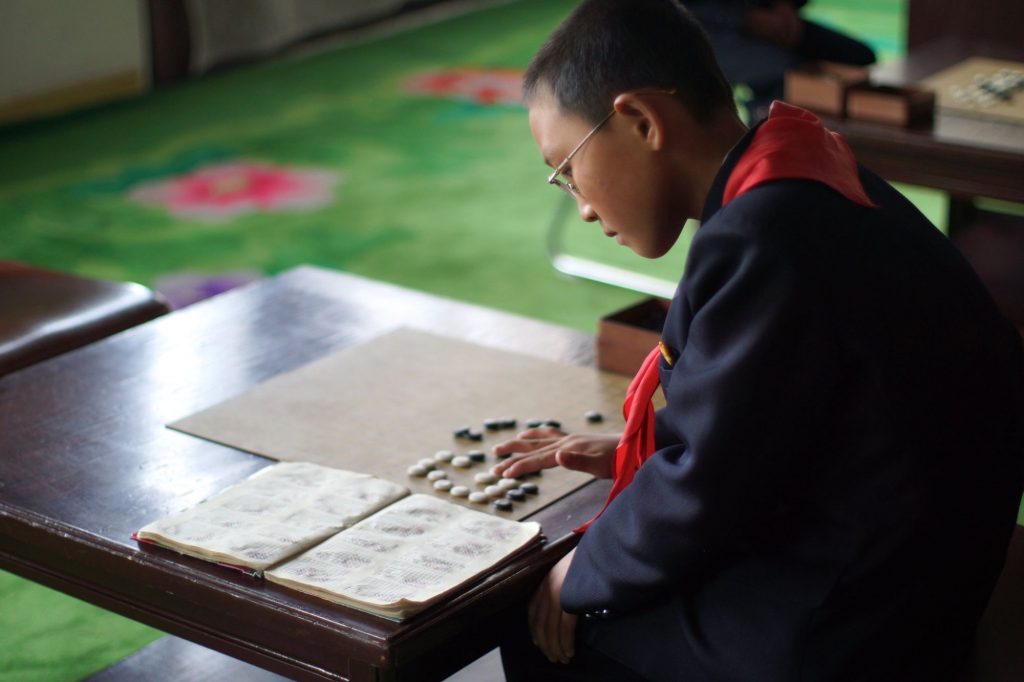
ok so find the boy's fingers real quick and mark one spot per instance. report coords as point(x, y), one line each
point(580, 461)
point(553, 629)
point(539, 616)
point(520, 445)
point(553, 633)
point(541, 433)
point(572, 460)
point(529, 441)
point(567, 636)
point(526, 464)
point(531, 615)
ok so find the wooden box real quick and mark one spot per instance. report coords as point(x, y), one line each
point(900, 106)
point(625, 337)
point(822, 86)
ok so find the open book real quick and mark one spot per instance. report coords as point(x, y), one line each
point(349, 538)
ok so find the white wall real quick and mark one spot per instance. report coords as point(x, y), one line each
point(54, 45)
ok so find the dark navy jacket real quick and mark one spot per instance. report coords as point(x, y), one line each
point(840, 458)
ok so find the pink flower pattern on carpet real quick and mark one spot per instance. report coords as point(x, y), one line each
point(227, 190)
point(483, 86)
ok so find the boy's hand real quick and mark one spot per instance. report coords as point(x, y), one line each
point(553, 630)
point(547, 447)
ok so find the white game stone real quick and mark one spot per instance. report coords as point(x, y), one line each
point(479, 498)
point(494, 491)
point(442, 484)
point(485, 477)
point(444, 455)
point(459, 491)
point(462, 462)
point(417, 470)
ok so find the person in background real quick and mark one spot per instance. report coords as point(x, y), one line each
point(757, 41)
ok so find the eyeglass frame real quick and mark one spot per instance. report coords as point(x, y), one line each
point(567, 185)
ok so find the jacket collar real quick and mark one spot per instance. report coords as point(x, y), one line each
point(790, 144)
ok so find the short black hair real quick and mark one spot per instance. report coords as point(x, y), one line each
point(606, 47)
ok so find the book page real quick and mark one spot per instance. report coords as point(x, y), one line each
point(405, 557)
point(276, 513)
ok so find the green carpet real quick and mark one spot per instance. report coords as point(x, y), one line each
point(404, 159)
point(45, 635)
point(414, 173)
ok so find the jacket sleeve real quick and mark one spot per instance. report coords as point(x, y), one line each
point(728, 14)
point(719, 14)
point(745, 392)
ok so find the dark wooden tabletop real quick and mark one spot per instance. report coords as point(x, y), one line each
point(85, 460)
point(967, 156)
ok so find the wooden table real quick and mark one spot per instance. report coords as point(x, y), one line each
point(86, 460)
point(965, 156)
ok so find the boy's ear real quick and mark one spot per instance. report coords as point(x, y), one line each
point(643, 114)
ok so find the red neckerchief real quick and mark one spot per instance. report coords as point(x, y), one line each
point(790, 144)
point(637, 442)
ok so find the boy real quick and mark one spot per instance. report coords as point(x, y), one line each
point(830, 489)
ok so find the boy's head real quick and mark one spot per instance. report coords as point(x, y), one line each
point(606, 47)
point(629, 107)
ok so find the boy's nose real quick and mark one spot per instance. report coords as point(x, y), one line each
point(587, 212)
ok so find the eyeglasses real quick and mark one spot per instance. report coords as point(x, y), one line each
point(564, 182)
